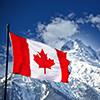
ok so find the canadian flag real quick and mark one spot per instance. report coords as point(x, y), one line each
point(38, 60)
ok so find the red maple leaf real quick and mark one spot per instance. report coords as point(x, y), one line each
point(42, 60)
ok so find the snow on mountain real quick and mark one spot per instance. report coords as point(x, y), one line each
point(78, 45)
point(98, 53)
point(84, 79)
point(1, 76)
point(25, 88)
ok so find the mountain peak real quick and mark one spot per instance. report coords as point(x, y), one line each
point(78, 45)
point(67, 46)
point(77, 40)
point(71, 44)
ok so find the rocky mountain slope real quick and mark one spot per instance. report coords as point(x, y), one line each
point(84, 79)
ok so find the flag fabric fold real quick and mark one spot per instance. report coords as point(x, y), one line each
point(38, 60)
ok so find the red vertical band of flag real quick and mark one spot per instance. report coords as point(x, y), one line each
point(64, 65)
point(21, 62)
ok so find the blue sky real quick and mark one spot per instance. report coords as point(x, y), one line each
point(50, 21)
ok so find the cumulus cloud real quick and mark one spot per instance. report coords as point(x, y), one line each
point(57, 31)
point(61, 28)
point(94, 20)
point(40, 27)
point(89, 19)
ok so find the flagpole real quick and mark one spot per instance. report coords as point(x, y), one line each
point(6, 61)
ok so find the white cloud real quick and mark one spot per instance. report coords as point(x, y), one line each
point(23, 32)
point(85, 13)
point(3, 47)
point(90, 19)
point(10, 66)
point(61, 28)
point(98, 26)
point(29, 30)
point(28, 33)
point(93, 25)
point(94, 20)
point(57, 31)
point(40, 27)
point(71, 15)
point(80, 20)
point(3, 58)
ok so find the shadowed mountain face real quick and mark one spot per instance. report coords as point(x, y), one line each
point(23, 88)
point(84, 79)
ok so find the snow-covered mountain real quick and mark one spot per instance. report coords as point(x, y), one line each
point(98, 53)
point(84, 79)
point(78, 45)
